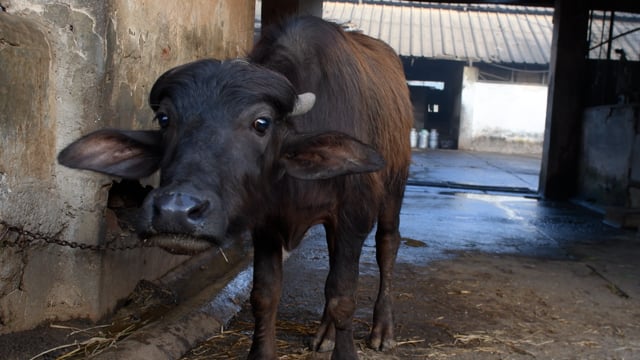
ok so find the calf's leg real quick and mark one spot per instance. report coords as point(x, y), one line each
point(336, 329)
point(265, 295)
point(387, 243)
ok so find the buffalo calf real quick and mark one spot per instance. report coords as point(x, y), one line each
point(313, 128)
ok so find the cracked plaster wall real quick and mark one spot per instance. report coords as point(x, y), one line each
point(67, 68)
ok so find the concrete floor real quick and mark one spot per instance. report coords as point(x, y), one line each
point(461, 200)
point(475, 170)
point(471, 201)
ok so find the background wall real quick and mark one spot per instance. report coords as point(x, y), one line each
point(609, 166)
point(502, 117)
point(67, 68)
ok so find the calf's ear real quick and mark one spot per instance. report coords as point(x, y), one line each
point(127, 154)
point(326, 155)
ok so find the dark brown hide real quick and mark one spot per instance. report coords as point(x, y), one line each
point(361, 91)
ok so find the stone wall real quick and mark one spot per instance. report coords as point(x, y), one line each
point(67, 68)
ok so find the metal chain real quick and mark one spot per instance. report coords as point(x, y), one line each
point(27, 238)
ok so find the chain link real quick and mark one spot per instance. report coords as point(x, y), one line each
point(25, 238)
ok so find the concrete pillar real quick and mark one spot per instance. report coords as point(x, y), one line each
point(470, 76)
point(558, 176)
point(70, 67)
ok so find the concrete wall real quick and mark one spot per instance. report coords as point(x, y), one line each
point(67, 68)
point(609, 169)
point(501, 117)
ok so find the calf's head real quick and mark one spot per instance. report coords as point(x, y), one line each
point(226, 134)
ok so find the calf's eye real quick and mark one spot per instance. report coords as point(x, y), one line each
point(261, 125)
point(163, 119)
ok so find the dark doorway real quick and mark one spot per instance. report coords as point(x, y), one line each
point(435, 87)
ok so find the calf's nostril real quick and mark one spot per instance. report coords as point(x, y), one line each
point(198, 210)
point(157, 209)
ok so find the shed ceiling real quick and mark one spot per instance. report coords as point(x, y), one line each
point(490, 33)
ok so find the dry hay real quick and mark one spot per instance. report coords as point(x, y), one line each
point(228, 344)
point(98, 341)
point(147, 303)
point(290, 343)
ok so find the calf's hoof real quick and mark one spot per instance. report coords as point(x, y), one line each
point(322, 343)
point(324, 340)
point(381, 344)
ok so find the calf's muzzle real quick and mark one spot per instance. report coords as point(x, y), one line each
point(178, 213)
point(182, 221)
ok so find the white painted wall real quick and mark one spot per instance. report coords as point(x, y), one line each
point(502, 117)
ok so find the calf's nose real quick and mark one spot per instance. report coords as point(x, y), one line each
point(178, 213)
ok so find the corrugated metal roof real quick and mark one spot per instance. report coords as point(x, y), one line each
point(487, 33)
point(623, 23)
point(472, 32)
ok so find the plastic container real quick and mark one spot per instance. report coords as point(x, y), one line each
point(433, 139)
point(413, 136)
point(422, 139)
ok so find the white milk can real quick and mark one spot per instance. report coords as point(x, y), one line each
point(422, 139)
point(413, 138)
point(433, 139)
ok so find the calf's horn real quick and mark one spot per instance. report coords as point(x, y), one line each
point(304, 103)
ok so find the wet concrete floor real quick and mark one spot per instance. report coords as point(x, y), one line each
point(460, 200)
point(475, 170)
point(470, 201)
